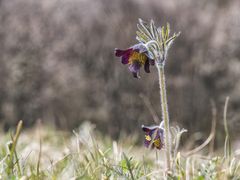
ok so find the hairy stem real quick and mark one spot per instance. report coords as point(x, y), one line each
point(165, 116)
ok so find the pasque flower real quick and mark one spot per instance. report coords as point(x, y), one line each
point(154, 43)
point(136, 57)
point(154, 136)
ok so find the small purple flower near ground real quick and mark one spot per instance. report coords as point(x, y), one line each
point(136, 57)
point(154, 136)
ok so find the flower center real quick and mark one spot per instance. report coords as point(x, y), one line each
point(140, 57)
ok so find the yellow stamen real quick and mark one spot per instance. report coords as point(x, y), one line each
point(147, 137)
point(140, 57)
point(157, 143)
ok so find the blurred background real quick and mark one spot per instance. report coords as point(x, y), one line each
point(57, 64)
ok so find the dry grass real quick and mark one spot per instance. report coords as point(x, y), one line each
point(86, 154)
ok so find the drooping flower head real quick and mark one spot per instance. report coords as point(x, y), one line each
point(154, 136)
point(136, 57)
point(153, 47)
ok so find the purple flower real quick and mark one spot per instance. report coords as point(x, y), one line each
point(154, 136)
point(136, 57)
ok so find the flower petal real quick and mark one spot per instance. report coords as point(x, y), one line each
point(147, 141)
point(125, 58)
point(139, 48)
point(136, 75)
point(146, 66)
point(135, 68)
point(152, 62)
point(161, 134)
point(119, 52)
point(149, 128)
